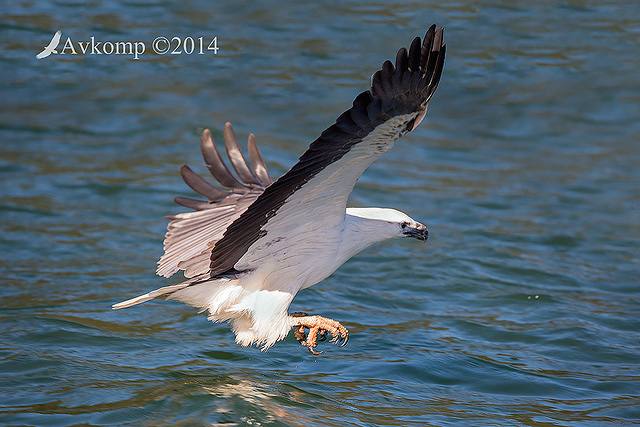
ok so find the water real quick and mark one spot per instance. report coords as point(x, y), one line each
point(522, 309)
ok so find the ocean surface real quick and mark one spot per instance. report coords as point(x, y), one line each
point(523, 308)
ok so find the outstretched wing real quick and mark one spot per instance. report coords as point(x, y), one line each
point(319, 185)
point(192, 235)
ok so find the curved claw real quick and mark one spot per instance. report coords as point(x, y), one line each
point(336, 339)
point(346, 339)
point(314, 352)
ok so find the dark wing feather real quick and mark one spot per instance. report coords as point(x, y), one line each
point(200, 186)
point(256, 161)
point(214, 161)
point(238, 161)
point(395, 104)
point(191, 235)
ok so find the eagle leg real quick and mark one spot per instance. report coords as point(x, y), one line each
point(317, 325)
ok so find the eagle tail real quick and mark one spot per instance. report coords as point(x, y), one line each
point(165, 291)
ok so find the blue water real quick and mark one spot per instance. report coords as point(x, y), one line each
point(521, 310)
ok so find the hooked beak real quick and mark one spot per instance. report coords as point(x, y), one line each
point(420, 232)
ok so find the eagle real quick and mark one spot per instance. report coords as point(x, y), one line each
point(248, 249)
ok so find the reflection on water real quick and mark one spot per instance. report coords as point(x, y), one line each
point(521, 309)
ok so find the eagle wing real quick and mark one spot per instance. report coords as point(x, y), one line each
point(191, 236)
point(319, 185)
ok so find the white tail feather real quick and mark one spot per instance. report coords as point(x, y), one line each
point(151, 295)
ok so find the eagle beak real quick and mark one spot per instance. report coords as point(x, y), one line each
point(419, 232)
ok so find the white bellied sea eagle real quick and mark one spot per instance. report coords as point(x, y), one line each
point(248, 250)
